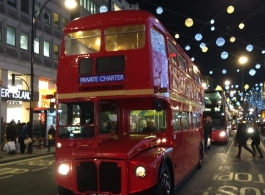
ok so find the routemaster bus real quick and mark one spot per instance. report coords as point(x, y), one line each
point(217, 108)
point(129, 107)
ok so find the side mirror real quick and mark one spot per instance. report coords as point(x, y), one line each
point(157, 105)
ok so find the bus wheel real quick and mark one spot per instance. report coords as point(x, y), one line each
point(64, 191)
point(164, 185)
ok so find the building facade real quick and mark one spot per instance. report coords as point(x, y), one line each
point(50, 17)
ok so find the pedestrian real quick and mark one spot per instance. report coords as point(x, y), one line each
point(207, 132)
point(11, 132)
point(242, 137)
point(51, 136)
point(255, 139)
point(23, 134)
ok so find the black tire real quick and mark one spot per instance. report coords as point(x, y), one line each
point(201, 157)
point(164, 185)
point(64, 191)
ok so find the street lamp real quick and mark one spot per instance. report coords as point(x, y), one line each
point(70, 4)
point(243, 60)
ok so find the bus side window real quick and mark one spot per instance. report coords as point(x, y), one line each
point(176, 122)
point(184, 121)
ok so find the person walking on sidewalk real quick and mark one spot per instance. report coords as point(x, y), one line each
point(255, 139)
point(207, 131)
point(23, 134)
point(242, 137)
point(51, 135)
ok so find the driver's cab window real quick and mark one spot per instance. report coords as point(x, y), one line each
point(107, 117)
point(147, 121)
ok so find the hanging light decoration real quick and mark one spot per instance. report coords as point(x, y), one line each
point(212, 28)
point(252, 72)
point(257, 66)
point(232, 39)
point(187, 47)
point(224, 55)
point(241, 25)
point(246, 86)
point(224, 71)
point(249, 48)
point(198, 37)
point(202, 45)
point(176, 36)
point(210, 72)
point(220, 42)
point(188, 22)
point(205, 49)
point(263, 51)
point(230, 9)
point(159, 10)
point(192, 59)
point(212, 21)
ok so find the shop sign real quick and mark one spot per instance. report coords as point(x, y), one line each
point(21, 95)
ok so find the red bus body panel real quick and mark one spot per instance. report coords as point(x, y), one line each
point(147, 71)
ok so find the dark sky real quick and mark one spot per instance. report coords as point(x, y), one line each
point(250, 12)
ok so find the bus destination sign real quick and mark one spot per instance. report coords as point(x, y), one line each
point(101, 78)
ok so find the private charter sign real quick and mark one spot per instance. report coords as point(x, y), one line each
point(21, 95)
point(101, 78)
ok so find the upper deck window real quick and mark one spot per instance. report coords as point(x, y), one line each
point(82, 42)
point(182, 62)
point(158, 42)
point(172, 53)
point(125, 37)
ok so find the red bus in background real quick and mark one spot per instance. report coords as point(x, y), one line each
point(129, 107)
point(217, 108)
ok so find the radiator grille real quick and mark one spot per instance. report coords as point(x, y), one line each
point(106, 177)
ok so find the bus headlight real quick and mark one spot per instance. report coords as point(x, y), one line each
point(140, 171)
point(222, 134)
point(250, 130)
point(63, 169)
point(59, 145)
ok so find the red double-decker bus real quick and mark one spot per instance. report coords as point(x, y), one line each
point(129, 107)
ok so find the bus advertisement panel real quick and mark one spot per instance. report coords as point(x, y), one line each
point(129, 107)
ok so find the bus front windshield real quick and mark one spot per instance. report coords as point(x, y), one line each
point(76, 120)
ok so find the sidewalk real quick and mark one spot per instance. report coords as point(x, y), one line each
point(5, 157)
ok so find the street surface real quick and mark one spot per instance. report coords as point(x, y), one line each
point(222, 173)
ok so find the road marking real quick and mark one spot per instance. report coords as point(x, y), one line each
point(6, 176)
point(40, 169)
point(11, 163)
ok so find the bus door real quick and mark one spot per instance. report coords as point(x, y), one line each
point(178, 146)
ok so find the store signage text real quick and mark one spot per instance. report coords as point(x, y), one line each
point(22, 95)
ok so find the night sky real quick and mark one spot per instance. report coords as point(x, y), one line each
point(249, 12)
